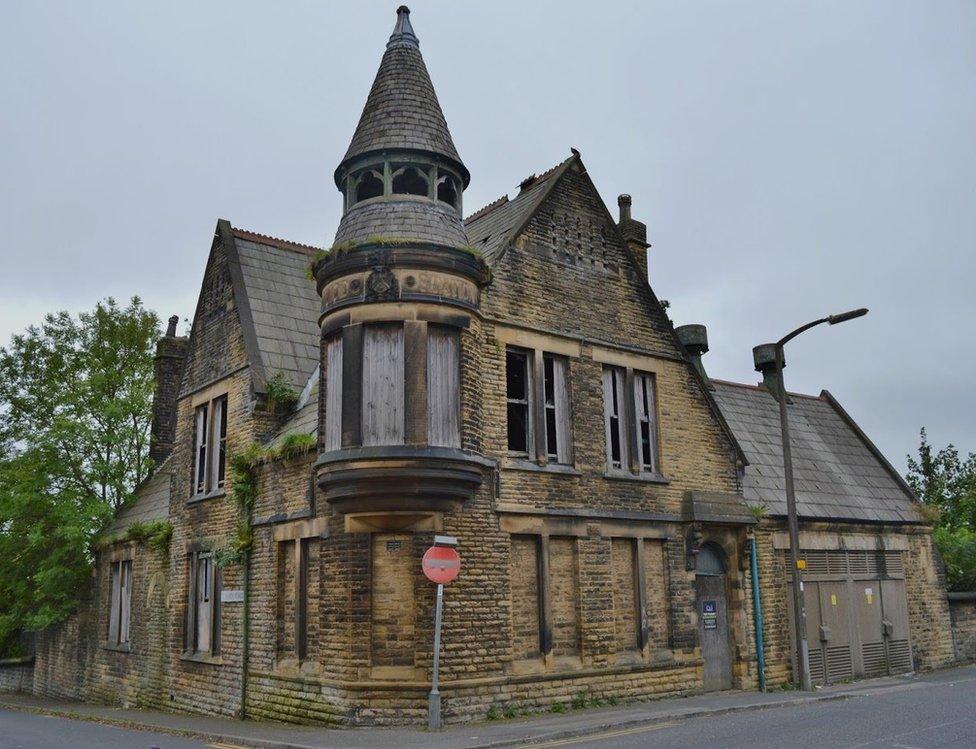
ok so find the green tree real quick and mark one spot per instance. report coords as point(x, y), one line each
point(946, 482)
point(75, 414)
point(941, 479)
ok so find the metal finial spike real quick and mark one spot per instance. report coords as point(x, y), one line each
point(403, 32)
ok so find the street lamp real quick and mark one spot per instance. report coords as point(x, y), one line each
point(800, 614)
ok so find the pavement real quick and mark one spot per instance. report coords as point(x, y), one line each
point(685, 720)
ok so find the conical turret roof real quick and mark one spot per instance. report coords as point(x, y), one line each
point(402, 111)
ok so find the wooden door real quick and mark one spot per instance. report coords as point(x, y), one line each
point(713, 630)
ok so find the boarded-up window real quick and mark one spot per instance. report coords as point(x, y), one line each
point(626, 607)
point(286, 598)
point(564, 594)
point(657, 595)
point(646, 421)
point(121, 603)
point(518, 389)
point(556, 394)
point(202, 607)
point(382, 406)
point(524, 571)
point(332, 438)
point(394, 613)
point(614, 416)
point(443, 387)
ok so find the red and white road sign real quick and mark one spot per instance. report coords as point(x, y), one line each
point(441, 564)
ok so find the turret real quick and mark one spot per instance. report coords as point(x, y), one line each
point(400, 289)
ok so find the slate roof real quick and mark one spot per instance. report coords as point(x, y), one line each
point(284, 306)
point(493, 227)
point(838, 473)
point(402, 110)
point(402, 218)
point(151, 503)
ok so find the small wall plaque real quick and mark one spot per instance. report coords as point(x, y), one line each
point(232, 596)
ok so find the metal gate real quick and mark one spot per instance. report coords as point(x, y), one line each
point(857, 614)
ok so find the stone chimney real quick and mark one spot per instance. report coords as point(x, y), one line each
point(694, 340)
point(764, 357)
point(634, 233)
point(170, 356)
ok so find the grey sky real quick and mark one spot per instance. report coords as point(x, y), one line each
point(790, 159)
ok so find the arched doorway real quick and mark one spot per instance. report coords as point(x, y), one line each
point(713, 619)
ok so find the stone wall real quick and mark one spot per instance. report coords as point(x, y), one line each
point(962, 608)
point(16, 675)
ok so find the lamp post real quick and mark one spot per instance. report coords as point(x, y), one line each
point(800, 614)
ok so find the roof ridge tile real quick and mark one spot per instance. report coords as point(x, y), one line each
point(484, 210)
point(267, 239)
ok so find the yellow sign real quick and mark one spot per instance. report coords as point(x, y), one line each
point(801, 564)
point(833, 599)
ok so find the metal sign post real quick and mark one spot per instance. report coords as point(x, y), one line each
point(441, 564)
point(434, 698)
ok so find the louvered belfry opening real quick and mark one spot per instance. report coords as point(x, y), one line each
point(400, 292)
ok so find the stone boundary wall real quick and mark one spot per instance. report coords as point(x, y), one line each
point(16, 675)
point(962, 608)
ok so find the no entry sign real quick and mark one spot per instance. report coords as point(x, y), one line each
point(441, 564)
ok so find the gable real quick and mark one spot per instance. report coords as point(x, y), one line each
point(257, 307)
point(216, 347)
point(568, 270)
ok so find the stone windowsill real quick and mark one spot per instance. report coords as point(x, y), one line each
point(522, 463)
point(646, 478)
point(208, 658)
point(209, 495)
point(118, 647)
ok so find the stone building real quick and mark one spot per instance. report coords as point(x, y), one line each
point(509, 379)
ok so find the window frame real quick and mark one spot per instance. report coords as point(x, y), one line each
point(556, 404)
point(526, 403)
point(209, 457)
point(645, 414)
point(614, 403)
point(198, 601)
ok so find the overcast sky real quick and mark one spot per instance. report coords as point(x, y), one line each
point(789, 159)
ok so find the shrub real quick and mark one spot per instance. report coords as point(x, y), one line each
point(281, 393)
point(295, 445)
point(958, 550)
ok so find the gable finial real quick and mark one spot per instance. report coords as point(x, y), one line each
point(403, 32)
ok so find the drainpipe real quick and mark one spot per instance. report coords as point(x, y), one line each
point(757, 613)
point(245, 634)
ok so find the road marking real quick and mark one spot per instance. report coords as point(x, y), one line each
point(604, 735)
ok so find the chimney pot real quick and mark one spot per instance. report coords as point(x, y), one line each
point(624, 202)
point(694, 340)
point(764, 357)
point(171, 329)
